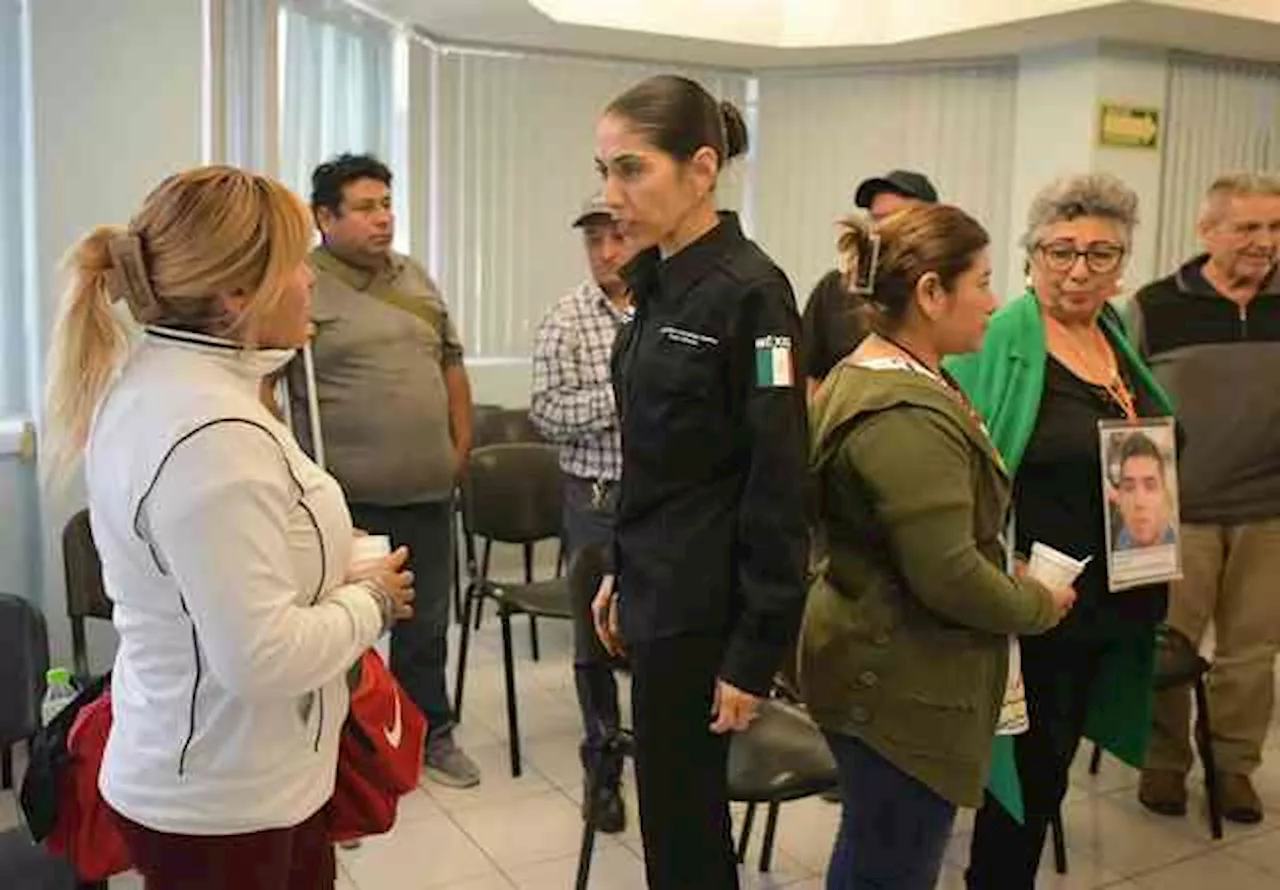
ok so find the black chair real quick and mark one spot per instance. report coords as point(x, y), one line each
point(494, 425)
point(86, 596)
point(1178, 664)
point(25, 865)
point(512, 496)
point(24, 661)
point(480, 421)
point(782, 757)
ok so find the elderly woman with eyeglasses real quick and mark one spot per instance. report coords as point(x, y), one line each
point(1054, 364)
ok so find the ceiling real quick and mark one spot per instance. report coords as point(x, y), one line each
point(910, 31)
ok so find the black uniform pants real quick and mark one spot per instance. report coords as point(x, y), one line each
point(1059, 673)
point(681, 766)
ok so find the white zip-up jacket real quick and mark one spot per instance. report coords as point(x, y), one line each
point(224, 550)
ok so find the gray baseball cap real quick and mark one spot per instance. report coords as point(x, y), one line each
point(593, 207)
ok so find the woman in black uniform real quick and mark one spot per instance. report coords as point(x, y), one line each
point(710, 542)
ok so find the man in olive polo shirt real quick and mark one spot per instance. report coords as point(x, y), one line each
point(395, 408)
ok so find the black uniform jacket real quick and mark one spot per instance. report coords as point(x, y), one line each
point(711, 535)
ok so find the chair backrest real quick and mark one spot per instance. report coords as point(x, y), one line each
point(26, 865)
point(24, 661)
point(494, 425)
point(86, 595)
point(512, 493)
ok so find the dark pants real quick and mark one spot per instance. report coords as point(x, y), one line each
point(419, 646)
point(681, 766)
point(588, 521)
point(1059, 673)
point(893, 830)
point(298, 858)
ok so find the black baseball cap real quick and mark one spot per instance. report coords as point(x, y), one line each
point(907, 183)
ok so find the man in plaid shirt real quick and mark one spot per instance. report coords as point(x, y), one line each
point(572, 405)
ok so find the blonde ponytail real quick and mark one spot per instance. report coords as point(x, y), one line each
point(199, 236)
point(88, 344)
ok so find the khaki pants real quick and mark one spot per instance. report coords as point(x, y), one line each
point(1231, 578)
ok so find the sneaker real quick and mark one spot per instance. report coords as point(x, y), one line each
point(1163, 791)
point(448, 765)
point(1240, 801)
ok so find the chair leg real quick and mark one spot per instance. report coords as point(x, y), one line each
point(770, 831)
point(464, 645)
point(509, 672)
point(1095, 760)
point(484, 573)
point(455, 545)
point(533, 620)
point(1059, 843)
point(6, 768)
point(748, 821)
point(1204, 741)
point(586, 849)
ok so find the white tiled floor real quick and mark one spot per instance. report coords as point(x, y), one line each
point(523, 833)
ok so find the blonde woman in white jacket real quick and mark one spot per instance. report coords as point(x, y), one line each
point(224, 548)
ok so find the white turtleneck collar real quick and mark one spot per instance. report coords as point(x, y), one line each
point(253, 363)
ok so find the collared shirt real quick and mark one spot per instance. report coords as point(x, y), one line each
point(383, 343)
point(572, 402)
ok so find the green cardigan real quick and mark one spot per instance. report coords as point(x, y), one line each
point(905, 636)
point(1005, 381)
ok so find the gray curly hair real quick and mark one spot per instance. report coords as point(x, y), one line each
point(1087, 194)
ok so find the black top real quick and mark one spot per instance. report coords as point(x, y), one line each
point(835, 322)
point(710, 534)
point(1058, 498)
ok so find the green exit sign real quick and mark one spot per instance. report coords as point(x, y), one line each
point(1128, 126)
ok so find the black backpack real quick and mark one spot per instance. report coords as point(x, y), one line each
point(42, 784)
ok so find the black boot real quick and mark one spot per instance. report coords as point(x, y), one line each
point(607, 810)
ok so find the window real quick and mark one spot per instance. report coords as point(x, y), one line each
point(13, 399)
point(340, 92)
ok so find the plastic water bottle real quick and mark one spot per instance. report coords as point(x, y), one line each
point(58, 694)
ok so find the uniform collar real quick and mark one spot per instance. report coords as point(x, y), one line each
point(649, 275)
point(355, 277)
point(250, 363)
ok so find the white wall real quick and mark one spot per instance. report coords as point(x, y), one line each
point(1058, 97)
point(117, 106)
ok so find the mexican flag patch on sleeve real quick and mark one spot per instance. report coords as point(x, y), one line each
point(773, 362)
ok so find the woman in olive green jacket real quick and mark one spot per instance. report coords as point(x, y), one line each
point(904, 652)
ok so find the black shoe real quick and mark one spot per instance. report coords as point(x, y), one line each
point(608, 811)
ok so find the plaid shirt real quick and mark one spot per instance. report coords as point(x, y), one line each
point(572, 402)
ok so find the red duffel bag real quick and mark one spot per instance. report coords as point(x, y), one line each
point(380, 756)
point(84, 831)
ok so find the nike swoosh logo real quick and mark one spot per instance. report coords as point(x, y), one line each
point(396, 729)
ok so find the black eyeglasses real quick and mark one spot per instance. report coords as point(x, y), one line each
point(1100, 257)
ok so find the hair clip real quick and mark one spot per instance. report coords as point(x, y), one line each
point(863, 278)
